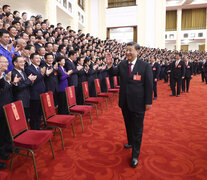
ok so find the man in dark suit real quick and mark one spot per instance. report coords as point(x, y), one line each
point(36, 89)
point(6, 97)
point(178, 73)
point(21, 90)
point(188, 75)
point(70, 65)
point(51, 79)
point(135, 97)
point(155, 70)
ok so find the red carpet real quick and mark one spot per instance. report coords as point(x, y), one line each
point(174, 144)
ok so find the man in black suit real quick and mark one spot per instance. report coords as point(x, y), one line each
point(135, 97)
point(178, 73)
point(188, 75)
point(51, 80)
point(21, 90)
point(155, 70)
point(36, 89)
point(6, 97)
point(70, 65)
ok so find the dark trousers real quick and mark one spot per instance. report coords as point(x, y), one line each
point(134, 128)
point(202, 76)
point(5, 138)
point(185, 84)
point(62, 103)
point(155, 88)
point(79, 95)
point(177, 81)
point(166, 77)
point(36, 113)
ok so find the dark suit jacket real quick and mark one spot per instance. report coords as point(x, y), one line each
point(21, 91)
point(51, 81)
point(6, 96)
point(73, 78)
point(156, 70)
point(188, 70)
point(179, 71)
point(38, 87)
point(135, 94)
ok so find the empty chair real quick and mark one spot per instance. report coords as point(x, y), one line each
point(116, 83)
point(23, 138)
point(91, 100)
point(73, 108)
point(51, 119)
point(109, 89)
point(103, 95)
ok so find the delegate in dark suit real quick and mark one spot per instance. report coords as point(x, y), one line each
point(188, 76)
point(21, 91)
point(155, 70)
point(135, 96)
point(51, 82)
point(37, 88)
point(178, 73)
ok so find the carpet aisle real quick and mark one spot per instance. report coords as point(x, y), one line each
point(174, 144)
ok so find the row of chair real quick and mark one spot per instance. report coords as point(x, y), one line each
point(30, 140)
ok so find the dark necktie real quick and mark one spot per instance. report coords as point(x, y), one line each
point(130, 69)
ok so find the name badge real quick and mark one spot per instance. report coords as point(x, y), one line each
point(179, 66)
point(188, 66)
point(154, 69)
point(137, 77)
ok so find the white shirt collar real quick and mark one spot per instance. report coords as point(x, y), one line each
point(133, 62)
point(35, 66)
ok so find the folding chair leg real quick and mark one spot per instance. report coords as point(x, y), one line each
point(61, 134)
point(73, 130)
point(90, 116)
point(52, 149)
point(81, 122)
point(33, 158)
point(106, 104)
point(101, 108)
point(12, 159)
point(96, 110)
point(112, 101)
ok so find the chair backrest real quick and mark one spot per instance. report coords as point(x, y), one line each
point(15, 116)
point(97, 86)
point(85, 89)
point(70, 96)
point(108, 83)
point(48, 106)
point(115, 81)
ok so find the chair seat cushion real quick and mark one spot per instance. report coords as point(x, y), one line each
point(94, 100)
point(113, 90)
point(107, 95)
point(61, 121)
point(81, 109)
point(3, 175)
point(33, 139)
point(117, 87)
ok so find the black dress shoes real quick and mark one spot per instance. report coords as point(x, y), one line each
point(178, 95)
point(127, 146)
point(134, 162)
point(172, 95)
point(3, 165)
